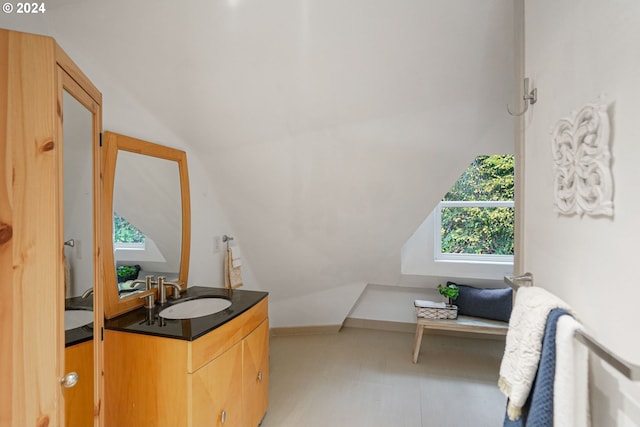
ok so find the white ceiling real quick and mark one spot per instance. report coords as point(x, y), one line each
point(328, 128)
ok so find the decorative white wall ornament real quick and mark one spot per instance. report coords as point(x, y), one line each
point(583, 181)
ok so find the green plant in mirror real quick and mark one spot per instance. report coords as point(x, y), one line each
point(127, 272)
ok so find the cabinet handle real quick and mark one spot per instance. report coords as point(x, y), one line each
point(70, 380)
point(260, 376)
point(223, 416)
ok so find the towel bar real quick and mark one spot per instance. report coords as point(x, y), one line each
point(513, 280)
point(629, 370)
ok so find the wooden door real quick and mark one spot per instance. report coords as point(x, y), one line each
point(31, 307)
point(255, 387)
point(31, 229)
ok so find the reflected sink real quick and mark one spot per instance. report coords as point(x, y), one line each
point(195, 308)
point(76, 318)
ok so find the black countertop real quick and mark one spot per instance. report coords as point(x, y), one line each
point(148, 322)
point(83, 333)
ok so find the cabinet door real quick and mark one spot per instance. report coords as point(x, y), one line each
point(78, 400)
point(255, 388)
point(217, 391)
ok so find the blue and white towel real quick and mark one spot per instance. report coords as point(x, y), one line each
point(524, 345)
point(538, 409)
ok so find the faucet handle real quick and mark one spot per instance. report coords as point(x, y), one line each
point(162, 292)
point(150, 295)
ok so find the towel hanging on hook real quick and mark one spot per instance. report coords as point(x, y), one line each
point(232, 264)
point(529, 97)
point(226, 239)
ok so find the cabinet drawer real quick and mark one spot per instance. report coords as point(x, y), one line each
point(213, 344)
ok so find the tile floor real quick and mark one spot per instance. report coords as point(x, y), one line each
point(362, 377)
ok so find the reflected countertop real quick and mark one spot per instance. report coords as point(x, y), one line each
point(83, 333)
point(148, 322)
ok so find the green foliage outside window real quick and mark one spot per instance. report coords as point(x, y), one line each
point(487, 178)
point(480, 230)
point(124, 232)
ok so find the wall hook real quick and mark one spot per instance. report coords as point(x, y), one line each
point(529, 97)
point(226, 239)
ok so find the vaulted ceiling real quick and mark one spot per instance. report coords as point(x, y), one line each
point(327, 129)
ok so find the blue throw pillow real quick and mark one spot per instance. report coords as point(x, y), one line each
point(495, 304)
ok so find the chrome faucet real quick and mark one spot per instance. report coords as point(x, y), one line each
point(148, 282)
point(86, 293)
point(162, 290)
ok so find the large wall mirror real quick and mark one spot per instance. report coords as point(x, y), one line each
point(146, 218)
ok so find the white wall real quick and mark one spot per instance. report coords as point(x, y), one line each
point(577, 51)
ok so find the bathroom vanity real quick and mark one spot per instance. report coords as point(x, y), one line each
point(172, 364)
point(205, 371)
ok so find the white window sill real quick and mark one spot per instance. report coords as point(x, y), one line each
point(475, 262)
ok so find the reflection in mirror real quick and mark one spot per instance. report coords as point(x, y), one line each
point(145, 217)
point(147, 220)
point(79, 166)
point(78, 198)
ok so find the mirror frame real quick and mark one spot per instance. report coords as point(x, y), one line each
point(112, 144)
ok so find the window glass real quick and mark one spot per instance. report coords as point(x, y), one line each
point(475, 219)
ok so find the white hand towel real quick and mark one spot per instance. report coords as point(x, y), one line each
point(236, 257)
point(429, 304)
point(524, 344)
point(571, 383)
point(232, 275)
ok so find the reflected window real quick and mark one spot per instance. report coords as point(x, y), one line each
point(127, 235)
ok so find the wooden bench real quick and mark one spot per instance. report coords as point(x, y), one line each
point(461, 324)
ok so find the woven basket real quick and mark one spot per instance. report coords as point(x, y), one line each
point(450, 312)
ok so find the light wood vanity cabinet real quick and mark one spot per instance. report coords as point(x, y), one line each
point(219, 379)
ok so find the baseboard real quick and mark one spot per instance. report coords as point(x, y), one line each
point(380, 325)
point(305, 330)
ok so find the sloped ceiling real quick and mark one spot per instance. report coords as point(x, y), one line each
point(329, 128)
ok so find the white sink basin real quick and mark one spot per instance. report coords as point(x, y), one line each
point(195, 308)
point(76, 318)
